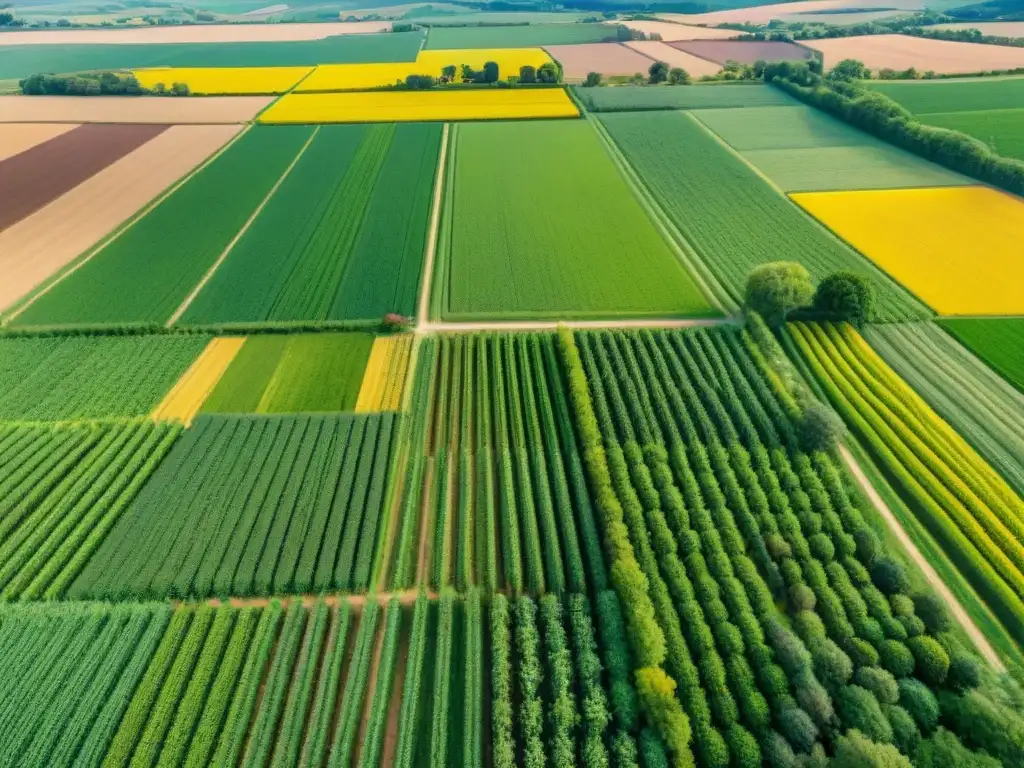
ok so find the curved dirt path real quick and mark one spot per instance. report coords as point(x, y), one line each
point(957, 610)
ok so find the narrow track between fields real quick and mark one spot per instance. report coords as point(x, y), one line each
point(550, 325)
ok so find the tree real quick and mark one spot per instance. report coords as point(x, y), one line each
point(933, 613)
point(467, 72)
point(920, 703)
point(637, 79)
point(889, 575)
point(820, 428)
point(679, 76)
point(881, 683)
point(931, 662)
point(657, 73)
point(490, 71)
point(964, 673)
point(448, 73)
point(527, 74)
point(6, 19)
point(859, 709)
point(847, 70)
point(844, 296)
point(944, 750)
point(593, 80)
point(180, 89)
point(548, 73)
point(777, 288)
point(896, 657)
point(855, 750)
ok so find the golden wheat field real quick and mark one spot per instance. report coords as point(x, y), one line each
point(384, 379)
point(351, 77)
point(957, 248)
point(225, 80)
point(187, 396)
point(420, 106)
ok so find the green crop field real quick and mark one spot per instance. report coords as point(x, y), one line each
point(998, 341)
point(1001, 129)
point(969, 395)
point(146, 273)
point(293, 374)
point(797, 127)
point(343, 236)
point(966, 95)
point(279, 504)
point(48, 378)
point(730, 217)
point(626, 99)
point(24, 60)
point(517, 36)
point(509, 246)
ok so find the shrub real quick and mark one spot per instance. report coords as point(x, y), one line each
point(931, 662)
point(776, 751)
point(810, 627)
point(913, 625)
point(844, 296)
point(868, 545)
point(656, 692)
point(859, 709)
point(798, 728)
point(832, 666)
point(743, 747)
point(889, 575)
point(902, 605)
point(944, 750)
point(814, 700)
point(862, 653)
point(920, 702)
point(905, 734)
point(801, 598)
point(932, 611)
point(881, 683)
point(776, 289)
point(593, 80)
point(856, 750)
point(897, 658)
point(821, 545)
point(984, 724)
point(964, 673)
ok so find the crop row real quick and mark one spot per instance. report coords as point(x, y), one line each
point(497, 471)
point(726, 514)
point(970, 509)
point(62, 490)
point(384, 381)
point(89, 377)
point(251, 505)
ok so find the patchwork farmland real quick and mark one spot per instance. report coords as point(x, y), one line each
point(439, 391)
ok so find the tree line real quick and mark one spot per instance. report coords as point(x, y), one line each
point(96, 84)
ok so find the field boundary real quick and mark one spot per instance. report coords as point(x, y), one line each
point(551, 325)
point(69, 269)
point(430, 254)
point(183, 307)
point(955, 608)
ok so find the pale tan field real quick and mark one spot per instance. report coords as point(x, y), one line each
point(997, 28)
point(762, 14)
point(609, 59)
point(696, 66)
point(130, 109)
point(213, 33)
point(900, 52)
point(15, 138)
point(38, 246)
point(671, 32)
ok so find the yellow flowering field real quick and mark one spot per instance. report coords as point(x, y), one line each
point(186, 397)
point(404, 106)
point(384, 379)
point(231, 80)
point(350, 77)
point(957, 248)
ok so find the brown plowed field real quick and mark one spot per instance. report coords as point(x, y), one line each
point(657, 51)
point(40, 175)
point(721, 51)
point(130, 109)
point(15, 138)
point(40, 245)
point(610, 59)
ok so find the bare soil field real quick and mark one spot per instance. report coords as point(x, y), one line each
point(696, 66)
point(36, 177)
point(15, 138)
point(762, 14)
point(610, 59)
point(131, 109)
point(213, 33)
point(900, 52)
point(997, 28)
point(721, 51)
point(38, 246)
point(669, 31)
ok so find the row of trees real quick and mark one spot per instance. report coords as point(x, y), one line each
point(782, 290)
point(96, 84)
point(547, 73)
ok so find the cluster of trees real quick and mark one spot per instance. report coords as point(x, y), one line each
point(782, 290)
point(95, 84)
point(547, 73)
point(7, 20)
point(880, 116)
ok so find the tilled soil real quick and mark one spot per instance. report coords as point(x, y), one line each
point(38, 176)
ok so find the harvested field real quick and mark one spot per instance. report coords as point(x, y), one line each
point(207, 81)
point(643, 98)
point(16, 138)
point(996, 28)
point(669, 31)
point(525, 36)
point(206, 33)
point(900, 52)
point(762, 14)
point(610, 59)
point(150, 269)
point(38, 246)
point(30, 180)
point(721, 51)
point(937, 258)
point(128, 109)
point(694, 65)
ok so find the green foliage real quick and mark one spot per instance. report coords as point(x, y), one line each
point(844, 296)
point(859, 710)
point(655, 691)
point(964, 673)
point(855, 750)
point(931, 660)
point(702, 97)
point(944, 749)
point(820, 428)
point(775, 289)
point(985, 724)
point(920, 702)
point(503, 748)
point(593, 706)
point(881, 683)
point(998, 342)
point(657, 73)
point(530, 675)
point(905, 734)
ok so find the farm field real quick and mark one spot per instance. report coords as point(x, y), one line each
point(729, 218)
point(986, 410)
point(19, 137)
point(624, 99)
point(40, 245)
point(610, 59)
point(147, 272)
point(529, 36)
point(935, 262)
point(997, 342)
point(342, 238)
point(529, 263)
point(999, 128)
point(225, 80)
point(90, 377)
point(297, 373)
point(298, 501)
point(721, 51)
point(207, 33)
point(97, 109)
point(902, 51)
point(971, 511)
point(668, 31)
point(695, 66)
point(186, 397)
point(403, 106)
point(383, 384)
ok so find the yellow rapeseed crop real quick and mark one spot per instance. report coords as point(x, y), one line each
point(384, 379)
point(402, 106)
point(230, 80)
point(186, 397)
point(959, 249)
point(350, 77)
